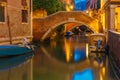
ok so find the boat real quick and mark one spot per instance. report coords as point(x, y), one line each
point(14, 50)
point(68, 33)
point(97, 42)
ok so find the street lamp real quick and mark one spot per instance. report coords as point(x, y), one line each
point(69, 7)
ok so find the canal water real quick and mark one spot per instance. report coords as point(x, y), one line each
point(62, 59)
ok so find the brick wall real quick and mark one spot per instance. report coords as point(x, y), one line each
point(18, 29)
point(43, 26)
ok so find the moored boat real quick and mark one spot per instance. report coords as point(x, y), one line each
point(68, 33)
point(97, 43)
point(14, 50)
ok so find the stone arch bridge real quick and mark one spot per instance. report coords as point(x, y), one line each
point(43, 26)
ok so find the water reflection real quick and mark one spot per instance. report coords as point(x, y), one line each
point(86, 74)
point(16, 68)
point(9, 63)
point(79, 54)
point(53, 62)
point(63, 58)
point(68, 50)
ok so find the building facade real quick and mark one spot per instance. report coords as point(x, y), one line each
point(15, 21)
point(110, 14)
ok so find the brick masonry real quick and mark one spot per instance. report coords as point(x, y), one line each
point(18, 30)
point(43, 26)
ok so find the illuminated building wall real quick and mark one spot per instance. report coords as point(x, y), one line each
point(110, 10)
point(117, 19)
point(15, 21)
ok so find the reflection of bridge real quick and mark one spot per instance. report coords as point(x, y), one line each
point(58, 62)
point(43, 27)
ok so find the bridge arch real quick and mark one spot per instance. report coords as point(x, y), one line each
point(42, 27)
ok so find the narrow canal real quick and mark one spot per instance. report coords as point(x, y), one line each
point(62, 59)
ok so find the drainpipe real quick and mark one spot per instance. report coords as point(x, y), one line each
point(9, 29)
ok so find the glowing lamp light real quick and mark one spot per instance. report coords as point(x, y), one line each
point(87, 11)
point(71, 7)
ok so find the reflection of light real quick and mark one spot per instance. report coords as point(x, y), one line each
point(103, 70)
point(67, 50)
point(87, 50)
point(53, 44)
point(102, 73)
point(101, 77)
point(84, 75)
point(79, 54)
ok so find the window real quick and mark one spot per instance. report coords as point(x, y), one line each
point(2, 14)
point(24, 16)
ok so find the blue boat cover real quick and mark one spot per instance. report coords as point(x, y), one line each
point(8, 50)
